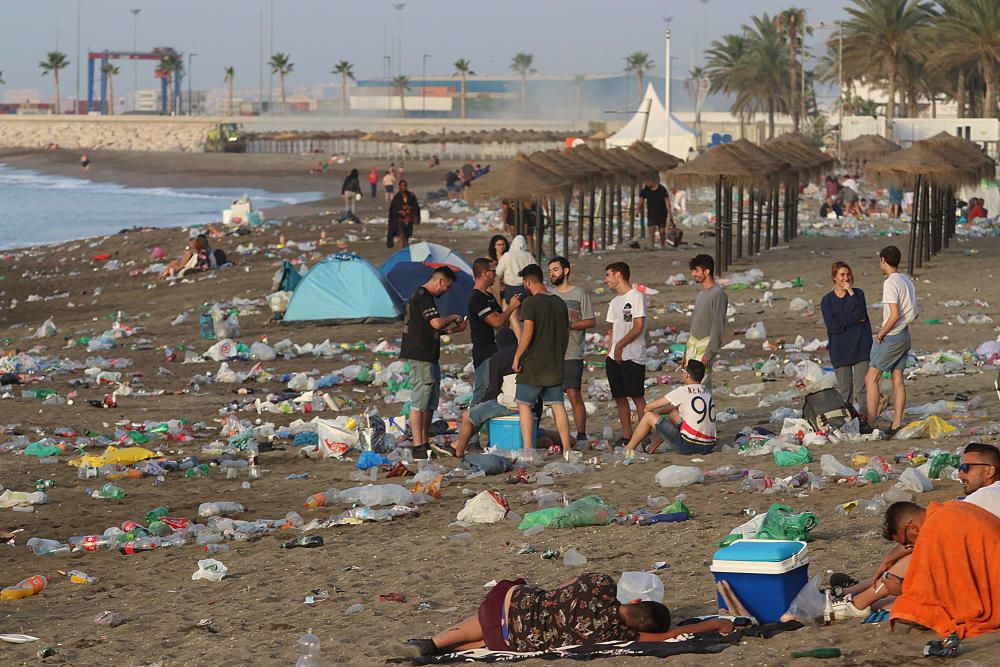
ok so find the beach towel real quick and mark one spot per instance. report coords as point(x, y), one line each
point(952, 583)
point(704, 643)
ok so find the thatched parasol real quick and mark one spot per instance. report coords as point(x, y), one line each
point(932, 161)
point(557, 162)
point(653, 156)
point(769, 163)
point(798, 145)
point(631, 164)
point(520, 178)
point(968, 152)
point(867, 147)
point(726, 161)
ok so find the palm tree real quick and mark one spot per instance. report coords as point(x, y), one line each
point(761, 75)
point(2, 82)
point(521, 63)
point(281, 65)
point(978, 24)
point(110, 71)
point(721, 59)
point(876, 37)
point(578, 81)
point(401, 84)
point(463, 68)
point(791, 23)
point(639, 63)
point(167, 68)
point(346, 71)
point(228, 79)
point(54, 61)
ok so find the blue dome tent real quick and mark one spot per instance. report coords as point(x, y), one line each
point(406, 277)
point(344, 288)
point(432, 253)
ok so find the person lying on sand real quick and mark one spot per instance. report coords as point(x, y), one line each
point(979, 472)
point(198, 257)
point(583, 611)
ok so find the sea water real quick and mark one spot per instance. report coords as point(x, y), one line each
point(38, 208)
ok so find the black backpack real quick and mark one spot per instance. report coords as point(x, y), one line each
point(826, 410)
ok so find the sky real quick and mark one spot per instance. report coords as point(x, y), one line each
point(565, 36)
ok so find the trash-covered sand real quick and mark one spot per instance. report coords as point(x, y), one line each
point(374, 583)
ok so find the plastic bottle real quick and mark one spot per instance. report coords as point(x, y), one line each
point(818, 653)
point(25, 588)
point(46, 547)
point(219, 509)
point(90, 543)
point(142, 544)
point(109, 619)
point(81, 578)
point(208, 537)
point(309, 653)
point(305, 542)
point(322, 499)
point(206, 327)
point(109, 492)
point(215, 548)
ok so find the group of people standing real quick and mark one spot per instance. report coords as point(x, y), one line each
point(528, 348)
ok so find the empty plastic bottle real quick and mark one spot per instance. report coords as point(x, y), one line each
point(108, 492)
point(81, 578)
point(215, 548)
point(208, 537)
point(45, 547)
point(91, 543)
point(304, 542)
point(323, 499)
point(219, 509)
point(25, 588)
point(309, 653)
point(142, 544)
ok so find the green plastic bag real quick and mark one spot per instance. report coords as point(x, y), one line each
point(676, 507)
point(587, 511)
point(786, 458)
point(781, 524)
point(539, 518)
point(42, 450)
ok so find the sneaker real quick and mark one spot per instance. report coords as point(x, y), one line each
point(840, 582)
point(845, 609)
point(889, 433)
point(418, 648)
point(443, 449)
point(421, 452)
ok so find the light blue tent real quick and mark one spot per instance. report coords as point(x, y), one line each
point(344, 288)
point(430, 253)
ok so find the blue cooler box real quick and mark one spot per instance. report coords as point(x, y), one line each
point(766, 575)
point(505, 433)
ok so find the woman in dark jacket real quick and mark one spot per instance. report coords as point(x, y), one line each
point(404, 212)
point(351, 189)
point(845, 314)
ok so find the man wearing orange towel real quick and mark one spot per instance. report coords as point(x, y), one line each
point(950, 585)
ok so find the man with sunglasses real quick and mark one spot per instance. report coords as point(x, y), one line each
point(979, 472)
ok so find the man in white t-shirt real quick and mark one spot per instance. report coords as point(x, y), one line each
point(891, 346)
point(626, 361)
point(979, 472)
point(684, 418)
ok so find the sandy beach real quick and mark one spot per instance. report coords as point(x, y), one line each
point(256, 614)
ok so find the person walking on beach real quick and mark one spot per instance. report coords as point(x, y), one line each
point(708, 322)
point(373, 180)
point(468, 173)
point(625, 364)
point(891, 346)
point(404, 212)
point(351, 190)
point(389, 184)
point(538, 360)
point(582, 316)
point(421, 347)
point(485, 316)
point(657, 202)
point(845, 314)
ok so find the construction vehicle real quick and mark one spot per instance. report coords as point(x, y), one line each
point(226, 138)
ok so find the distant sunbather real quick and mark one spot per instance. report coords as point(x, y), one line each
point(198, 257)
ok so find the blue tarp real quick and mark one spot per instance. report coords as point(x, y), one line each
point(344, 288)
point(426, 252)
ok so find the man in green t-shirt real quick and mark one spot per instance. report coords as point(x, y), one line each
point(538, 360)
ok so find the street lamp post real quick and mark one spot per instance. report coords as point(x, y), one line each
point(388, 83)
point(423, 87)
point(135, 48)
point(189, 74)
point(398, 7)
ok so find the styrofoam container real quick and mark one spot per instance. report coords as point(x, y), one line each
point(766, 575)
point(505, 432)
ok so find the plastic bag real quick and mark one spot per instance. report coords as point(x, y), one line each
point(222, 350)
point(932, 427)
point(781, 524)
point(541, 518)
point(334, 441)
point(587, 511)
point(793, 458)
point(914, 480)
point(830, 466)
point(487, 507)
point(756, 331)
point(677, 476)
point(47, 329)
point(798, 303)
point(640, 585)
point(431, 488)
point(808, 605)
point(210, 570)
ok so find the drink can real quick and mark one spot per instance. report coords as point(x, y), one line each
point(550, 554)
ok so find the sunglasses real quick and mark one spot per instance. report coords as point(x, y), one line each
point(964, 467)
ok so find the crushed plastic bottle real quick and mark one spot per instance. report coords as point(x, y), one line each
point(309, 650)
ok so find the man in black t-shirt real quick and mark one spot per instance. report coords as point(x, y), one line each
point(485, 315)
point(657, 201)
point(421, 347)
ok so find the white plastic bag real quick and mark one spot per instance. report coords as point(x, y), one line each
point(808, 604)
point(47, 329)
point(487, 507)
point(262, 351)
point(222, 350)
point(210, 570)
point(756, 331)
point(334, 441)
point(832, 467)
point(798, 303)
point(915, 481)
point(644, 586)
point(676, 476)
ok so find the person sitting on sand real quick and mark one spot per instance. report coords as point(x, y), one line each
point(684, 419)
point(198, 257)
point(979, 471)
point(515, 616)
